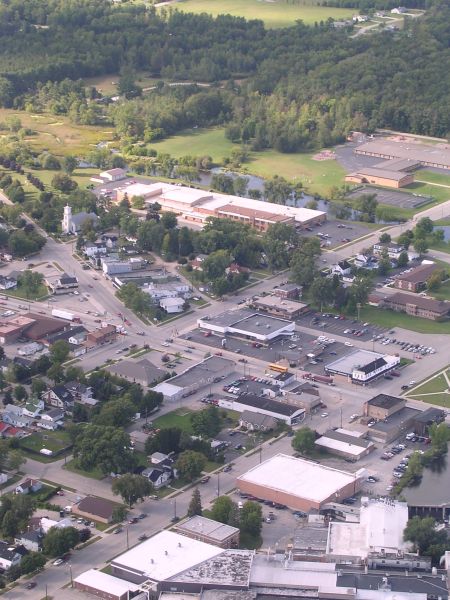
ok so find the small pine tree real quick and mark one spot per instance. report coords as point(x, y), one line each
point(195, 505)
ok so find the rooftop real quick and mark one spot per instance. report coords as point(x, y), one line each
point(230, 567)
point(385, 401)
point(395, 420)
point(207, 368)
point(275, 302)
point(355, 359)
point(426, 584)
point(435, 154)
point(106, 583)
point(436, 306)
point(207, 527)
point(298, 477)
point(375, 172)
point(419, 274)
point(142, 370)
point(264, 403)
point(166, 554)
point(97, 506)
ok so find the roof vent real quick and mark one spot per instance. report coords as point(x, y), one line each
point(152, 561)
point(179, 544)
point(166, 553)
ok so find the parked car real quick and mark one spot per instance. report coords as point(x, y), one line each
point(205, 479)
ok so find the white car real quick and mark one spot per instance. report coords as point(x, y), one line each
point(57, 562)
point(412, 382)
point(323, 415)
point(348, 344)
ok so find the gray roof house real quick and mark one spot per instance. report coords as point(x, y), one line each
point(143, 371)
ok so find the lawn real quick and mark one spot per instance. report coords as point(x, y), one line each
point(56, 441)
point(177, 418)
point(57, 134)
point(20, 293)
point(274, 13)
point(433, 391)
point(440, 194)
point(391, 319)
point(316, 176)
point(437, 384)
point(443, 293)
point(72, 466)
point(432, 177)
point(438, 399)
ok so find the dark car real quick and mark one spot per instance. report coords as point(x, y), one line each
point(142, 516)
point(142, 537)
point(30, 585)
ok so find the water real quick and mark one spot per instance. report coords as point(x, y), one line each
point(434, 487)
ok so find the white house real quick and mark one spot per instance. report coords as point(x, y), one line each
point(3, 478)
point(400, 10)
point(158, 476)
point(9, 556)
point(172, 305)
point(33, 407)
point(51, 419)
point(16, 418)
point(47, 524)
point(113, 174)
point(28, 486)
point(342, 268)
point(7, 283)
point(95, 249)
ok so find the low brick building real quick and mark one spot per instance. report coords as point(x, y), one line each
point(95, 509)
point(209, 531)
point(416, 279)
point(382, 406)
point(417, 306)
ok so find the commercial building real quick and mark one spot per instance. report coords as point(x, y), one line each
point(99, 337)
point(194, 378)
point(416, 279)
point(62, 284)
point(362, 366)
point(394, 426)
point(209, 531)
point(286, 309)
point(417, 306)
point(382, 406)
point(288, 291)
point(143, 371)
point(289, 413)
point(423, 421)
point(383, 177)
point(104, 586)
point(424, 154)
point(197, 205)
point(299, 483)
point(349, 444)
point(247, 324)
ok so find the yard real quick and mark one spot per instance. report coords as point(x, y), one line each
point(432, 177)
point(434, 391)
point(72, 466)
point(56, 441)
point(20, 293)
point(391, 319)
point(443, 293)
point(177, 418)
point(274, 13)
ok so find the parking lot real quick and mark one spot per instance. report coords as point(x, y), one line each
point(329, 324)
point(392, 197)
point(335, 233)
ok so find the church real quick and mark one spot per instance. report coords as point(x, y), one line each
point(72, 224)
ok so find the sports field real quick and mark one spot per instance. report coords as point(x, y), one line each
point(274, 13)
point(316, 176)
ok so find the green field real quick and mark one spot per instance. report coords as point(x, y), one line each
point(433, 391)
point(391, 319)
point(433, 177)
point(52, 440)
point(274, 13)
point(440, 194)
point(19, 293)
point(316, 176)
point(443, 293)
point(177, 418)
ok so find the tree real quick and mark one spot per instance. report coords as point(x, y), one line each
point(116, 413)
point(56, 373)
point(420, 245)
point(119, 513)
point(132, 488)
point(251, 518)
point(321, 292)
point(166, 440)
point(215, 264)
point(20, 393)
point(60, 540)
point(303, 440)
point(106, 448)
point(195, 505)
point(422, 533)
point(434, 282)
point(30, 282)
point(10, 524)
point(206, 423)
point(59, 351)
point(190, 464)
point(85, 534)
point(403, 260)
point(384, 263)
point(423, 228)
point(439, 434)
point(222, 509)
point(70, 163)
point(169, 220)
point(32, 562)
point(385, 238)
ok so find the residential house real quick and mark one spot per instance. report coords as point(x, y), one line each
point(33, 407)
point(46, 524)
point(343, 268)
point(95, 509)
point(159, 477)
point(236, 269)
point(3, 478)
point(31, 540)
point(360, 18)
point(256, 421)
point(366, 262)
point(393, 250)
point(7, 283)
point(111, 241)
point(74, 335)
point(59, 397)
point(172, 305)
point(81, 393)
point(52, 419)
point(95, 249)
point(9, 556)
point(160, 459)
point(196, 264)
point(399, 10)
point(28, 486)
point(15, 419)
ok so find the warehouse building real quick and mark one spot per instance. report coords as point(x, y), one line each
point(362, 366)
point(382, 406)
point(298, 483)
point(289, 413)
point(349, 444)
point(247, 324)
point(195, 378)
point(105, 586)
point(383, 177)
point(424, 154)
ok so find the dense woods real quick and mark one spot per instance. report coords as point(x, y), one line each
point(299, 87)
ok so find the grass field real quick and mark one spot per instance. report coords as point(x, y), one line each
point(177, 418)
point(316, 176)
point(57, 134)
point(52, 440)
point(19, 293)
point(107, 84)
point(433, 391)
point(433, 177)
point(274, 13)
point(443, 293)
point(73, 467)
point(391, 319)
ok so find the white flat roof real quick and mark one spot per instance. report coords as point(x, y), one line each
point(166, 554)
point(340, 446)
point(185, 195)
point(273, 573)
point(142, 189)
point(168, 389)
point(298, 477)
point(105, 583)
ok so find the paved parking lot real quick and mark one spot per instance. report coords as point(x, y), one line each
point(335, 233)
point(392, 197)
point(329, 325)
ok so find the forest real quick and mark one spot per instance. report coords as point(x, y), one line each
point(291, 89)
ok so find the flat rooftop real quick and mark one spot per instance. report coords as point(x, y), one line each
point(356, 358)
point(395, 420)
point(384, 173)
point(208, 367)
point(276, 302)
point(245, 319)
point(385, 401)
point(229, 567)
point(438, 154)
point(106, 583)
point(208, 527)
point(298, 477)
point(265, 403)
point(166, 554)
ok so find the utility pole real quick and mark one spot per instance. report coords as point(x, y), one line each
point(128, 542)
point(218, 484)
